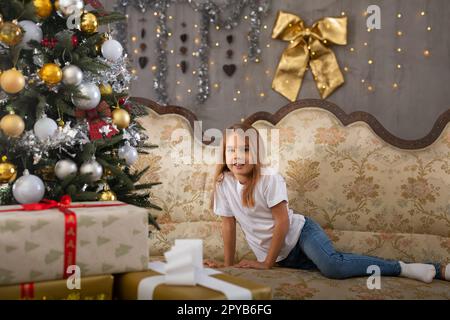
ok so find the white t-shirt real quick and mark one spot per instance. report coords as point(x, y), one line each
point(257, 223)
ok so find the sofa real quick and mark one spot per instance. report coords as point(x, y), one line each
point(372, 192)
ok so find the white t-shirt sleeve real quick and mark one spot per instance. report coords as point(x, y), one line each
point(276, 190)
point(221, 207)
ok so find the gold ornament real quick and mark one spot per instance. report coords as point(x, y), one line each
point(121, 118)
point(12, 81)
point(61, 123)
point(98, 46)
point(47, 173)
point(1, 19)
point(107, 194)
point(89, 23)
point(107, 173)
point(8, 171)
point(12, 125)
point(308, 47)
point(105, 89)
point(51, 73)
point(10, 33)
point(43, 8)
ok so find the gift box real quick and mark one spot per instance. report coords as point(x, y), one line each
point(126, 287)
point(91, 288)
point(39, 242)
point(184, 277)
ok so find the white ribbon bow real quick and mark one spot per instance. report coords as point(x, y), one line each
point(185, 267)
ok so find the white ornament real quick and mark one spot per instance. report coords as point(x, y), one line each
point(64, 168)
point(45, 128)
point(93, 169)
point(128, 153)
point(32, 32)
point(92, 92)
point(67, 8)
point(72, 75)
point(28, 188)
point(112, 50)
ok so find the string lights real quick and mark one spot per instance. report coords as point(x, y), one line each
point(367, 82)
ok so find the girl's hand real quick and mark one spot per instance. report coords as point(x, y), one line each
point(213, 264)
point(251, 264)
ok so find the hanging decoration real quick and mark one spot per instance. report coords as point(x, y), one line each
point(107, 194)
point(28, 188)
point(12, 125)
point(308, 47)
point(92, 169)
point(43, 8)
point(8, 171)
point(12, 81)
point(64, 168)
point(210, 14)
point(10, 33)
point(51, 74)
point(229, 69)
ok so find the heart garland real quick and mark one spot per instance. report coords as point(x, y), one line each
point(229, 69)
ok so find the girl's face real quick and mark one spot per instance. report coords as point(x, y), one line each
point(237, 155)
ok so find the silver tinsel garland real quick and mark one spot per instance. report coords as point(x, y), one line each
point(117, 74)
point(134, 136)
point(65, 138)
point(210, 14)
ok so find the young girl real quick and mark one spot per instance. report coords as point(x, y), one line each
point(256, 197)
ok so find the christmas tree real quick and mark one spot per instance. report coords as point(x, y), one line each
point(67, 125)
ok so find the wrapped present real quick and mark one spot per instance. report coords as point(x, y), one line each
point(183, 277)
point(91, 288)
point(128, 285)
point(39, 242)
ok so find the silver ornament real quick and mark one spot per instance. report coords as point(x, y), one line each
point(45, 128)
point(112, 50)
point(92, 94)
point(67, 8)
point(64, 168)
point(128, 153)
point(28, 188)
point(93, 169)
point(32, 32)
point(72, 75)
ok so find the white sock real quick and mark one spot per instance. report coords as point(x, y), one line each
point(419, 271)
point(447, 272)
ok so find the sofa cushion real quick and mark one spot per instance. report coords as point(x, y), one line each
point(295, 284)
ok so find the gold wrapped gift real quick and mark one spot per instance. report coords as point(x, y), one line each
point(92, 288)
point(126, 288)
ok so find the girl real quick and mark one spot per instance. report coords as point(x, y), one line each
point(256, 197)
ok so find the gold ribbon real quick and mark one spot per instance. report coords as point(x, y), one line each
point(308, 46)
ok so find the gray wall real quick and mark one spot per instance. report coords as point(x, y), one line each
point(408, 112)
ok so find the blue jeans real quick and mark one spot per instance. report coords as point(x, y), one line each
point(314, 250)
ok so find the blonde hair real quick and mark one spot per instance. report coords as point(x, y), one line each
point(248, 199)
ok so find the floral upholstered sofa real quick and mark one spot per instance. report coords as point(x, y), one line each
point(373, 197)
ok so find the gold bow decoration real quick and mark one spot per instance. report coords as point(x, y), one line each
point(308, 46)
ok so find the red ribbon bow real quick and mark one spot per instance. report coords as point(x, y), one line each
point(48, 204)
point(103, 110)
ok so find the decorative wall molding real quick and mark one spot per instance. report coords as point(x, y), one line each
point(345, 118)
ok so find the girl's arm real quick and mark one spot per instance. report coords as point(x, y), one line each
point(229, 239)
point(281, 217)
